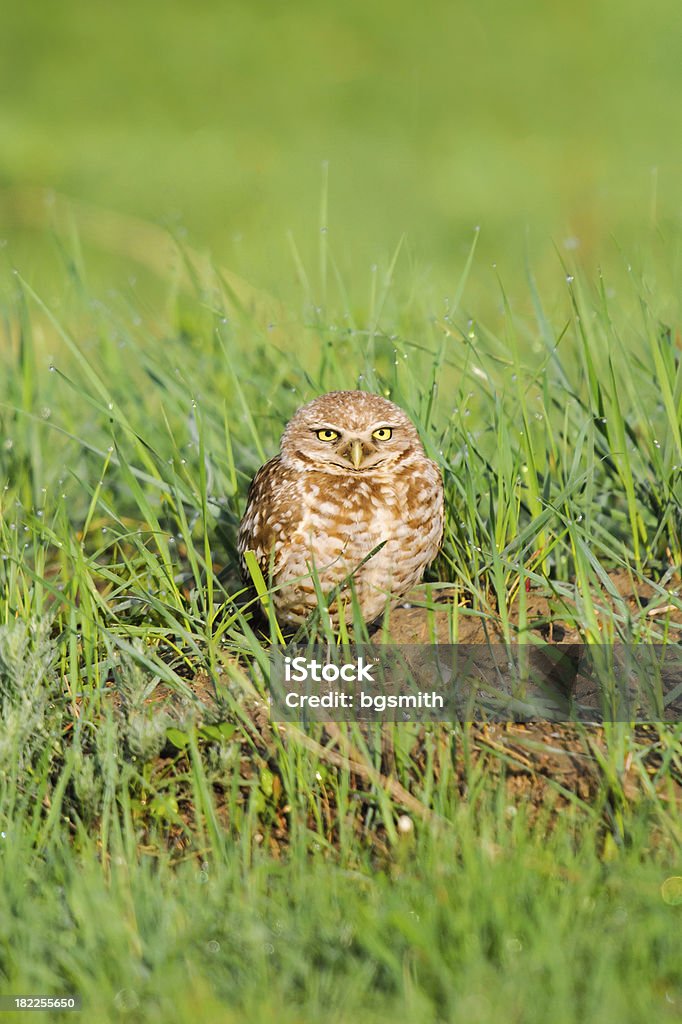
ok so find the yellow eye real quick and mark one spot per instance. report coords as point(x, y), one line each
point(382, 434)
point(328, 435)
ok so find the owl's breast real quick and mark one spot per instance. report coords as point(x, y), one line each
point(379, 528)
point(350, 515)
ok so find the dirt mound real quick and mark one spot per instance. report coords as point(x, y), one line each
point(549, 616)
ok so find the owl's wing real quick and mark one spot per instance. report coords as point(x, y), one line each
point(271, 514)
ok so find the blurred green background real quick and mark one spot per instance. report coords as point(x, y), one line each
point(552, 126)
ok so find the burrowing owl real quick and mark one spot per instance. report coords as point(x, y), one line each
point(351, 475)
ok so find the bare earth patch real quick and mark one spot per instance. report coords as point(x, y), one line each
point(548, 616)
point(540, 769)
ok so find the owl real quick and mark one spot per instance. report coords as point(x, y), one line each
point(350, 497)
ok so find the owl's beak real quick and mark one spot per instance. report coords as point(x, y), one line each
point(356, 453)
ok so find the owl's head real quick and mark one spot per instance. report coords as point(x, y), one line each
point(349, 432)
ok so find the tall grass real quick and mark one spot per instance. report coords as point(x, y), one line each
point(168, 852)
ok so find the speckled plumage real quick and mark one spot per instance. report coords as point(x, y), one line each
point(328, 503)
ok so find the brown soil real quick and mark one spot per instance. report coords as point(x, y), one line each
point(547, 616)
point(543, 768)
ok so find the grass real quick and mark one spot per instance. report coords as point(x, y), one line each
point(533, 122)
point(168, 853)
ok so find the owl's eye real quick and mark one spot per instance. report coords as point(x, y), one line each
point(382, 434)
point(328, 435)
